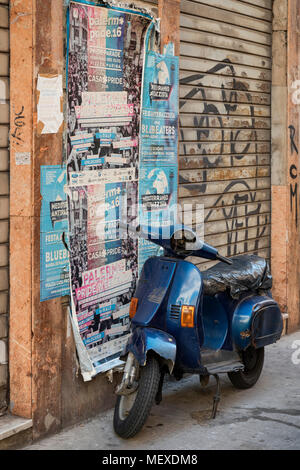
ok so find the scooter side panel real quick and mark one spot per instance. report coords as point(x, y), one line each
point(256, 320)
point(186, 289)
point(215, 323)
point(144, 340)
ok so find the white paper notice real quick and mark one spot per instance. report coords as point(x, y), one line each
point(49, 112)
point(23, 158)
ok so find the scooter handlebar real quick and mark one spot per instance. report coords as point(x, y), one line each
point(199, 248)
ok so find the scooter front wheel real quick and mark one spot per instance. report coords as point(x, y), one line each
point(253, 360)
point(131, 411)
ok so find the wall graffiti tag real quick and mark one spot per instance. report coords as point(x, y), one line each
point(293, 174)
point(17, 128)
point(245, 218)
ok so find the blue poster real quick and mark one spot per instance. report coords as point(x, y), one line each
point(54, 259)
point(159, 155)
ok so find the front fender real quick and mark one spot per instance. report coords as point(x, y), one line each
point(144, 340)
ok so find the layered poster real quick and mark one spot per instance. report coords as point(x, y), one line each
point(121, 166)
point(106, 50)
point(54, 262)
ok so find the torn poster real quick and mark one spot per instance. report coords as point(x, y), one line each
point(49, 105)
point(105, 70)
point(54, 259)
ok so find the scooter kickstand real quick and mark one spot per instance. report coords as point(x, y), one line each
point(217, 397)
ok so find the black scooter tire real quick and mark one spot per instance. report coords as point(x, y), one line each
point(146, 392)
point(250, 375)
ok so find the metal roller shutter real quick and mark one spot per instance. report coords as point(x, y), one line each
point(225, 85)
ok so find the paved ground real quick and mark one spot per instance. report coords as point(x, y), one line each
point(264, 417)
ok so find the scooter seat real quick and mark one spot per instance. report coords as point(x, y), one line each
point(246, 273)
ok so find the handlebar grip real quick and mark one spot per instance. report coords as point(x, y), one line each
point(225, 260)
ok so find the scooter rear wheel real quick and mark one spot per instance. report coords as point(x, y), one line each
point(253, 360)
point(131, 411)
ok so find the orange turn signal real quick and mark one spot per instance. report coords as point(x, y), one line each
point(133, 306)
point(187, 316)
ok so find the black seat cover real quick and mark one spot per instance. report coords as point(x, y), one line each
point(247, 273)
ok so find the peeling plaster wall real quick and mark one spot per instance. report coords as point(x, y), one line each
point(4, 199)
point(279, 153)
point(45, 381)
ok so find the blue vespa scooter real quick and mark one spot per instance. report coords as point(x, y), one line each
point(187, 321)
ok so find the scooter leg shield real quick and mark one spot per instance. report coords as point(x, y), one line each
point(144, 340)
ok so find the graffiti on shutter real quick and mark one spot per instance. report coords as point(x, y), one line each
point(225, 82)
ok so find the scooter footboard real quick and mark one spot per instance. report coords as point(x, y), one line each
point(144, 340)
point(257, 320)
